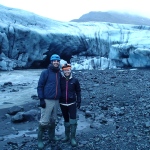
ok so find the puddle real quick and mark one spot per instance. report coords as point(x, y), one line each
point(129, 69)
point(23, 133)
point(82, 124)
point(133, 69)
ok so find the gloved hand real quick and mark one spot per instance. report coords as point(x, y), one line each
point(78, 105)
point(42, 103)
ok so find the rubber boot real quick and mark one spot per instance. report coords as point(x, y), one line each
point(40, 135)
point(67, 132)
point(73, 127)
point(51, 132)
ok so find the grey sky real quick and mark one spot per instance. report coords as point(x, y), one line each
point(66, 10)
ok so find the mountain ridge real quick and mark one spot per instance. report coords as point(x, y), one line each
point(113, 17)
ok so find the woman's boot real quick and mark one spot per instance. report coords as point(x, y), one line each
point(67, 132)
point(73, 127)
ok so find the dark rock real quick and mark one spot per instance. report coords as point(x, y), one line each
point(17, 117)
point(30, 115)
point(35, 97)
point(88, 113)
point(1, 139)
point(8, 84)
point(6, 103)
point(15, 109)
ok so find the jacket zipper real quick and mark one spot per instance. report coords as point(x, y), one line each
point(66, 90)
point(56, 85)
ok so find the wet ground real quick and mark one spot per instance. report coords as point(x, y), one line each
point(22, 85)
point(115, 111)
point(82, 124)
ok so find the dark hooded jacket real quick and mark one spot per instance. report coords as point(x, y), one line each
point(49, 83)
point(70, 90)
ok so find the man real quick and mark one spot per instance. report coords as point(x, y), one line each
point(49, 93)
point(69, 101)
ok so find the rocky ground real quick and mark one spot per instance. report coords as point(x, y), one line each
point(115, 113)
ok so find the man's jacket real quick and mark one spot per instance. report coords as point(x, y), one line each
point(49, 84)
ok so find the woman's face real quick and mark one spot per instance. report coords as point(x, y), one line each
point(67, 72)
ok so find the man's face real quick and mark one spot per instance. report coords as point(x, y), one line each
point(56, 63)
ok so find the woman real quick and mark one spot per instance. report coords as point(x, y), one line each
point(69, 101)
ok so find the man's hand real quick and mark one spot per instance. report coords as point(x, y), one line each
point(42, 103)
point(78, 105)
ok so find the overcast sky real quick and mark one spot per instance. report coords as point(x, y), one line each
point(66, 10)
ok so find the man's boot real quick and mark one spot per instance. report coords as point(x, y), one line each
point(73, 127)
point(67, 132)
point(51, 132)
point(40, 135)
